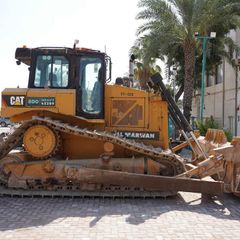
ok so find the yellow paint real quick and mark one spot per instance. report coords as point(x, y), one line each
point(155, 112)
point(39, 141)
point(146, 112)
point(65, 101)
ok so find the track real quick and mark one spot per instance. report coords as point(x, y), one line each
point(155, 154)
point(7, 192)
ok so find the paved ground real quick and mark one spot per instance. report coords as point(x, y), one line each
point(186, 216)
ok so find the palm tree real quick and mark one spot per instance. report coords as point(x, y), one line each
point(171, 24)
point(145, 63)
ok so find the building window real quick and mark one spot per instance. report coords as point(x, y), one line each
point(219, 75)
point(230, 120)
point(210, 80)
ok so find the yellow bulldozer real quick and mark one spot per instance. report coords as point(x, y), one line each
point(82, 136)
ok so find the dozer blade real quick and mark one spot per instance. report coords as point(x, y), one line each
point(150, 182)
point(64, 173)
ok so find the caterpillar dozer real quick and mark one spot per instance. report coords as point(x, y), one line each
point(82, 136)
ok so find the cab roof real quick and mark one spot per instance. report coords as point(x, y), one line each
point(24, 54)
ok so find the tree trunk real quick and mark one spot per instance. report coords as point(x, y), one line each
point(143, 75)
point(189, 60)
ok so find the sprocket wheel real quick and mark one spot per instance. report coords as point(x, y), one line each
point(41, 142)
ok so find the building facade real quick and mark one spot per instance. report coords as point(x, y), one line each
point(222, 94)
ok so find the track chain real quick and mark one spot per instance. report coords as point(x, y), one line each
point(156, 154)
point(7, 192)
point(14, 139)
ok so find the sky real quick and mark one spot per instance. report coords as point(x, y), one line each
point(36, 23)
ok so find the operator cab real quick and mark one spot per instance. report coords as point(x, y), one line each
point(64, 68)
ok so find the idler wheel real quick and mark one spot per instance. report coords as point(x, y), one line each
point(41, 141)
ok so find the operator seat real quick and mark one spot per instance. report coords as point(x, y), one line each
point(96, 95)
point(54, 79)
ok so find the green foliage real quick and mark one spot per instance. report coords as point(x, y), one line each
point(204, 126)
point(145, 65)
point(169, 24)
point(228, 135)
point(211, 123)
point(168, 32)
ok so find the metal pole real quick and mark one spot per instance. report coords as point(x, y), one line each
point(223, 95)
point(204, 43)
point(236, 101)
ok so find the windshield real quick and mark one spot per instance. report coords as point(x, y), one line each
point(51, 71)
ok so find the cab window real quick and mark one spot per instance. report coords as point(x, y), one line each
point(51, 71)
point(91, 83)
